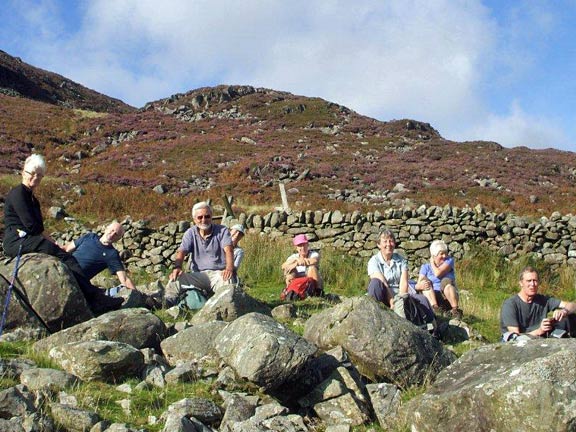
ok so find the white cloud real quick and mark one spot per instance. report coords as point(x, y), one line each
point(451, 63)
point(518, 128)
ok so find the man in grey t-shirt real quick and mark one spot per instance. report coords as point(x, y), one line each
point(211, 257)
point(527, 312)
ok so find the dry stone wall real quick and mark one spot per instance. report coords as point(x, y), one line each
point(552, 239)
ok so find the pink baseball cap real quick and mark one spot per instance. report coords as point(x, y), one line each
point(300, 239)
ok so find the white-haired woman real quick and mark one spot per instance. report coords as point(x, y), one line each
point(24, 225)
point(437, 280)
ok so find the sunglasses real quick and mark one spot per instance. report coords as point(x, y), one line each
point(34, 174)
point(200, 217)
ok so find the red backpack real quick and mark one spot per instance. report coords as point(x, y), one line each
point(299, 288)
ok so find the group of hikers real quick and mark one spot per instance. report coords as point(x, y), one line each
point(209, 257)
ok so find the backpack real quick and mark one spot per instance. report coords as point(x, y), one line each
point(416, 312)
point(299, 288)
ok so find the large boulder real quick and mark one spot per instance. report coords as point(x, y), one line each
point(137, 327)
point(227, 304)
point(194, 344)
point(502, 387)
point(99, 360)
point(383, 346)
point(263, 351)
point(50, 289)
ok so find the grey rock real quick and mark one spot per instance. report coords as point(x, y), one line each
point(137, 327)
point(385, 347)
point(273, 355)
point(47, 380)
point(193, 344)
point(73, 419)
point(50, 289)
point(385, 400)
point(99, 360)
point(503, 387)
point(227, 304)
point(16, 401)
point(203, 410)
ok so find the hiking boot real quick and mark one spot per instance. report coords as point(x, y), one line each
point(456, 314)
point(102, 304)
point(152, 303)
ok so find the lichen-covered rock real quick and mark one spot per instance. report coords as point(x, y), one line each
point(137, 327)
point(192, 344)
point(383, 346)
point(50, 289)
point(227, 304)
point(99, 360)
point(525, 386)
point(263, 351)
point(47, 380)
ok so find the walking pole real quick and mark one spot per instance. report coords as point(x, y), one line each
point(22, 235)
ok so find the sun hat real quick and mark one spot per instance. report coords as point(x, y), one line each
point(300, 239)
point(238, 227)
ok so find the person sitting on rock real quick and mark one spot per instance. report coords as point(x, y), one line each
point(528, 312)
point(96, 253)
point(388, 271)
point(437, 281)
point(24, 227)
point(211, 254)
point(304, 264)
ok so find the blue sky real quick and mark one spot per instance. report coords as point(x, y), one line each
point(495, 70)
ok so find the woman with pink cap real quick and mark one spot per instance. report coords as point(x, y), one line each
point(304, 263)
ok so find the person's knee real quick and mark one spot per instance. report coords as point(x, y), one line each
point(377, 290)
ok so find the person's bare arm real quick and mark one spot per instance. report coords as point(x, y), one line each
point(440, 270)
point(289, 265)
point(125, 280)
point(178, 262)
point(229, 255)
point(423, 283)
point(403, 288)
point(379, 276)
point(565, 309)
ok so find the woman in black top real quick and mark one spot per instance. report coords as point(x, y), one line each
point(22, 213)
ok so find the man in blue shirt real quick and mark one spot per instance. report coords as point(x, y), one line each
point(95, 254)
point(210, 249)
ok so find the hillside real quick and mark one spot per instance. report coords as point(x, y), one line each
point(242, 141)
point(18, 78)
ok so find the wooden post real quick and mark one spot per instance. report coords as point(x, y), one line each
point(228, 206)
point(284, 197)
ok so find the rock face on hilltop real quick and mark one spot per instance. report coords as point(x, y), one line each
point(21, 79)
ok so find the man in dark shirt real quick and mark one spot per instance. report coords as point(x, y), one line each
point(527, 312)
point(94, 254)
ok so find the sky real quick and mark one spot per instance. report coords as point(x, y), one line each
point(493, 70)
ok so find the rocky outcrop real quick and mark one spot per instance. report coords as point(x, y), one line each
point(47, 285)
point(526, 386)
point(382, 345)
